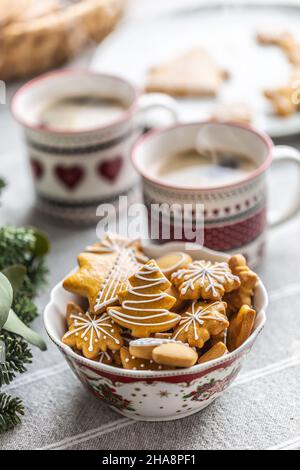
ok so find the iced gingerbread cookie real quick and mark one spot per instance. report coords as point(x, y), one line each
point(143, 347)
point(201, 321)
point(115, 243)
point(92, 334)
point(217, 350)
point(205, 279)
point(145, 306)
point(101, 277)
point(248, 279)
point(171, 262)
point(134, 363)
point(241, 327)
point(105, 358)
point(175, 355)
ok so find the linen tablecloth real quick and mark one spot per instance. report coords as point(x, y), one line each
point(260, 411)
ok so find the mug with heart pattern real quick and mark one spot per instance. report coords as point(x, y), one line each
point(75, 170)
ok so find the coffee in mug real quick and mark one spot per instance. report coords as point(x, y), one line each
point(204, 168)
point(76, 113)
point(220, 167)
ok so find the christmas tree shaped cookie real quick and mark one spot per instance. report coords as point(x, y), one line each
point(145, 306)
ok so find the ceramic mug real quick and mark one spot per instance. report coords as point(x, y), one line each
point(235, 215)
point(75, 171)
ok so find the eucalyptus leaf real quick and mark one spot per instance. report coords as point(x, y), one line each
point(15, 274)
point(15, 325)
point(6, 299)
point(42, 245)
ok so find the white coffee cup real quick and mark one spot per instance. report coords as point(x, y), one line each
point(76, 170)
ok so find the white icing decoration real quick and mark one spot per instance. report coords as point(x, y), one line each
point(92, 325)
point(124, 266)
point(144, 298)
point(204, 272)
point(110, 244)
point(198, 316)
point(115, 244)
point(104, 355)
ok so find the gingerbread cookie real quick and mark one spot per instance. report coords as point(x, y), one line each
point(171, 262)
point(194, 73)
point(220, 338)
point(92, 334)
point(115, 243)
point(241, 327)
point(116, 357)
point(143, 347)
point(163, 335)
point(73, 309)
point(145, 305)
point(282, 39)
point(201, 321)
point(134, 363)
point(244, 294)
point(105, 358)
point(217, 350)
point(281, 100)
point(116, 280)
point(101, 277)
point(205, 279)
point(237, 112)
point(88, 280)
point(175, 355)
point(180, 304)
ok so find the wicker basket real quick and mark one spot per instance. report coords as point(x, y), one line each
point(30, 47)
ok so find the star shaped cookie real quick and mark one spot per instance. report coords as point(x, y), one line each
point(200, 322)
point(205, 279)
point(101, 277)
point(91, 334)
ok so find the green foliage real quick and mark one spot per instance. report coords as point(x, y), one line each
point(23, 246)
point(25, 308)
point(11, 410)
point(22, 260)
point(2, 184)
point(17, 354)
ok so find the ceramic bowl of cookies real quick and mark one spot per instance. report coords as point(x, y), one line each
point(157, 332)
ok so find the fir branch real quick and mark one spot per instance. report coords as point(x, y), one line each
point(17, 354)
point(25, 308)
point(2, 184)
point(17, 246)
point(11, 410)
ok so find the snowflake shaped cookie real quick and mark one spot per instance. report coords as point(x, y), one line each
point(200, 322)
point(92, 334)
point(206, 280)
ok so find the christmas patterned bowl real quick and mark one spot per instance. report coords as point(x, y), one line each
point(155, 395)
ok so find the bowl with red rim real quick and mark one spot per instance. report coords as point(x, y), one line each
point(155, 395)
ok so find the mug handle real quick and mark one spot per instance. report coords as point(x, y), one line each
point(285, 153)
point(151, 101)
